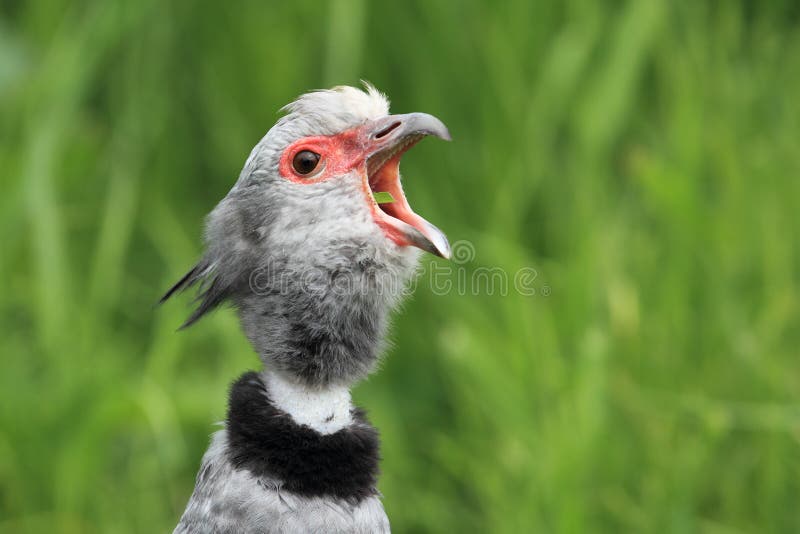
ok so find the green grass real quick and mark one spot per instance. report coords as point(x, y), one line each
point(642, 156)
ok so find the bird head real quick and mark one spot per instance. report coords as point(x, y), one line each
point(322, 164)
point(319, 196)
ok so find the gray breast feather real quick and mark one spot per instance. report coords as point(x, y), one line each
point(228, 501)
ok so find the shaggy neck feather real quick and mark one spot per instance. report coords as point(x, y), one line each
point(323, 326)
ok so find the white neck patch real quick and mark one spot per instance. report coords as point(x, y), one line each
point(325, 410)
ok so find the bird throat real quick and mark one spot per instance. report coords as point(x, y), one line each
point(323, 409)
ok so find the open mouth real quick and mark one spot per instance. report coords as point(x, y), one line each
point(383, 176)
point(389, 205)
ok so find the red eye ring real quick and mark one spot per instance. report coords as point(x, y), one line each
point(296, 160)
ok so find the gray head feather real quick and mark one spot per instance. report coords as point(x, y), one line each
point(310, 273)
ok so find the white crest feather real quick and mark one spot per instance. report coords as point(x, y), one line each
point(349, 104)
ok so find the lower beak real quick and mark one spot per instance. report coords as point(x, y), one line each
point(386, 140)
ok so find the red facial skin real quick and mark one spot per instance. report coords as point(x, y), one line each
point(339, 154)
point(343, 152)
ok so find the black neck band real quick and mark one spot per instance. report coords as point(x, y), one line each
point(268, 443)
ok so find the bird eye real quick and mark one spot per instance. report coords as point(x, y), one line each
point(305, 161)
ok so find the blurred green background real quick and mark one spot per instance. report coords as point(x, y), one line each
point(642, 156)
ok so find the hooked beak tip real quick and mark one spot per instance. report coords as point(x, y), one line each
point(436, 241)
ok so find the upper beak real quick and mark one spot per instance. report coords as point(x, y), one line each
point(397, 126)
point(386, 140)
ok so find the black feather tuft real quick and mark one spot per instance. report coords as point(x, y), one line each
point(187, 281)
point(209, 296)
point(268, 443)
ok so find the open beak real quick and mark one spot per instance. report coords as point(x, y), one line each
point(386, 140)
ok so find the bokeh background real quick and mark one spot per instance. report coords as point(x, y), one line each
point(641, 156)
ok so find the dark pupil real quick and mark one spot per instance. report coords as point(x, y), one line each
point(305, 161)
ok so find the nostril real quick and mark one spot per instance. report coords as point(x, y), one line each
point(387, 130)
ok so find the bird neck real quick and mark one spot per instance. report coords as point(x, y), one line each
point(269, 443)
point(324, 409)
point(317, 334)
